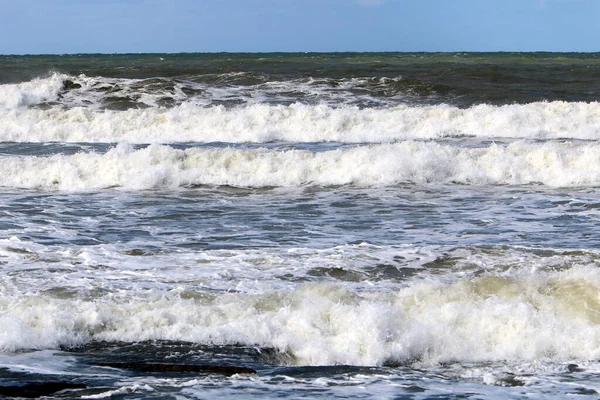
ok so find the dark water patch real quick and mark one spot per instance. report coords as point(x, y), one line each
point(462, 79)
point(48, 149)
point(511, 380)
point(308, 372)
point(414, 389)
point(582, 391)
point(179, 368)
point(385, 272)
point(122, 103)
point(137, 252)
point(153, 354)
point(445, 261)
point(337, 273)
point(18, 250)
point(574, 368)
point(68, 84)
point(38, 389)
point(61, 292)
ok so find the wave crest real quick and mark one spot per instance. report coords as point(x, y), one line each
point(526, 316)
point(36, 91)
point(300, 123)
point(156, 166)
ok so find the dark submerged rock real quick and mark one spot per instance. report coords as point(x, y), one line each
point(584, 392)
point(69, 84)
point(574, 368)
point(181, 368)
point(135, 252)
point(37, 389)
point(511, 380)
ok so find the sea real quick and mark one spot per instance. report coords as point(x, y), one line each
point(300, 226)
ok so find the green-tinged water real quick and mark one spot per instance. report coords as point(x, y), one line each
point(463, 79)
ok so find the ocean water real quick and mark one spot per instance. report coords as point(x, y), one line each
point(393, 226)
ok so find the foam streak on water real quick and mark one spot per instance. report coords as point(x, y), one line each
point(351, 226)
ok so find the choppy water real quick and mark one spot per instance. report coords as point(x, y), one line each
point(348, 225)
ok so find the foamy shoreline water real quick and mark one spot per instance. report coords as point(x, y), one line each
point(356, 225)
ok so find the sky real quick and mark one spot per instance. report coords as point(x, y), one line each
point(171, 26)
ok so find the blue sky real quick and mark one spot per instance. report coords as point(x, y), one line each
point(118, 26)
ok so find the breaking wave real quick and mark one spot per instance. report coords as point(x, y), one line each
point(45, 110)
point(526, 316)
point(160, 166)
point(301, 123)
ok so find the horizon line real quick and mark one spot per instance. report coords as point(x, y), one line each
point(303, 52)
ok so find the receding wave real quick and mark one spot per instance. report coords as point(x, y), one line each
point(158, 166)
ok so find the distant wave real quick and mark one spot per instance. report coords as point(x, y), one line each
point(228, 89)
point(519, 163)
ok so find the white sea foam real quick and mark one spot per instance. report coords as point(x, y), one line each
point(296, 123)
point(95, 92)
point(519, 316)
point(158, 166)
point(261, 115)
point(538, 310)
point(33, 92)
